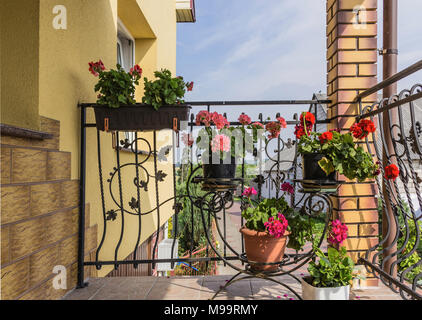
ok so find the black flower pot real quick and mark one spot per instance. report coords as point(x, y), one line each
point(140, 117)
point(219, 175)
point(313, 174)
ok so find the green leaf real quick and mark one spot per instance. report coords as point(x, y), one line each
point(326, 165)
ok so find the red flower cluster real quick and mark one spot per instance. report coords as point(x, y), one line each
point(308, 119)
point(391, 172)
point(190, 86)
point(337, 232)
point(287, 187)
point(244, 119)
point(136, 71)
point(207, 119)
point(96, 67)
point(274, 128)
point(362, 129)
point(277, 228)
point(326, 136)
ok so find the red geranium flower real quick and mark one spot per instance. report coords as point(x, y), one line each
point(326, 136)
point(362, 129)
point(391, 172)
point(136, 70)
point(309, 118)
point(190, 86)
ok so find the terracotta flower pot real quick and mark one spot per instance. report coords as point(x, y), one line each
point(262, 247)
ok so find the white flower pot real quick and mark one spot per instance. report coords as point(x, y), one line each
point(313, 293)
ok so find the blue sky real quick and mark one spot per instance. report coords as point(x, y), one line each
point(272, 49)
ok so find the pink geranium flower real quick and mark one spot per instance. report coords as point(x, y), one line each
point(276, 227)
point(248, 192)
point(337, 232)
point(220, 142)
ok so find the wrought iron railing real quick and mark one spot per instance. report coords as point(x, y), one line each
point(397, 259)
point(203, 205)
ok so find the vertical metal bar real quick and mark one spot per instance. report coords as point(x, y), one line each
point(157, 199)
point(191, 205)
point(100, 171)
point(224, 232)
point(175, 217)
point(82, 183)
point(119, 177)
point(389, 227)
point(138, 194)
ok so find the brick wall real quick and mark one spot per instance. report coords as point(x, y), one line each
point(351, 68)
point(39, 216)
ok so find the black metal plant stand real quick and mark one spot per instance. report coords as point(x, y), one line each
point(313, 203)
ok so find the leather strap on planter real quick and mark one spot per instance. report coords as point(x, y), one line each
point(176, 124)
point(106, 124)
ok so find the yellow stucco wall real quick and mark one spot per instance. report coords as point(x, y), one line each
point(64, 81)
point(19, 63)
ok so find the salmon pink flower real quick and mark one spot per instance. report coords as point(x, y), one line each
point(283, 122)
point(187, 139)
point(219, 120)
point(258, 125)
point(244, 119)
point(221, 143)
point(203, 117)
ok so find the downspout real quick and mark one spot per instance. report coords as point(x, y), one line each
point(389, 54)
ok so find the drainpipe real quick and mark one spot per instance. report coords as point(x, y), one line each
point(389, 54)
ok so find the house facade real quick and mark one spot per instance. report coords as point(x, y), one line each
point(46, 48)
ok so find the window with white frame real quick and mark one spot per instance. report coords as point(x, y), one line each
point(125, 56)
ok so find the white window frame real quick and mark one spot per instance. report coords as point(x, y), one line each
point(124, 34)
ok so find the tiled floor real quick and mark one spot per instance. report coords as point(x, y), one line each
point(202, 288)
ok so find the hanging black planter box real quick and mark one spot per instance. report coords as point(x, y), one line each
point(140, 117)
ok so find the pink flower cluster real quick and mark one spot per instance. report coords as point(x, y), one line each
point(245, 119)
point(337, 232)
point(187, 139)
point(206, 118)
point(96, 67)
point(287, 187)
point(277, 227)
point(258, 125)
point(274, 128)
point(248, 192)
point(220, 142)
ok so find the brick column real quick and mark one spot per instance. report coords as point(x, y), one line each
point(352, 68)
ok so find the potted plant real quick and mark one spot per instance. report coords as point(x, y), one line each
point(163, 105)
point(329, 152)
point(330, 277)
point(224, 144)
point(265, 231)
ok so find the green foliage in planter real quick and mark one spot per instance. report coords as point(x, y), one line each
point(341, 154)
point(116, 87)
point(256, 216)
point(165, 90)
point(332, 270)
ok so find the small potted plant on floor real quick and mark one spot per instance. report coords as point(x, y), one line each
point(163, 105)
point(329, 152)
point(330, 277)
